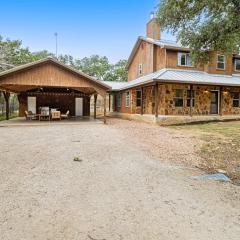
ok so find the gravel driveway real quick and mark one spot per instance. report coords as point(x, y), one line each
point(122, 189)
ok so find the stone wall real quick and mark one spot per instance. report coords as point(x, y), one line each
point(166, 98)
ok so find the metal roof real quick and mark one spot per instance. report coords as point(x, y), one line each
point(182, 76)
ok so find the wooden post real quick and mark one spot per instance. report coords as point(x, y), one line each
point(156, 99)
point(141, 100)
point(104, 111)
point(221, 101)
point(191, 100)
point(109, 102)
point(7, 96)
point(95, 106)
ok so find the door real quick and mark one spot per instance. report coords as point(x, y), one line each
point(78, 107)
point(214, 102)
point(32, 104)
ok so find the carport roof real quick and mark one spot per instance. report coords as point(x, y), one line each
point(52, 60)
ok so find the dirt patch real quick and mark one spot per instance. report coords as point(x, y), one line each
point(126, 187)
point(220, 148)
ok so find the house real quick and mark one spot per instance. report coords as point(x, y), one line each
point(163, 82)
point(49, 83)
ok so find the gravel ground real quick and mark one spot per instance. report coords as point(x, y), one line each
point(123, 189)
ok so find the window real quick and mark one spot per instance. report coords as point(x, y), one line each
point(189, 98)
point(179, 98)
point(119, 100)
point(237, 64)
point(127, 99)
point(140, 69)
point(184, 59)
point(221, 62)
point(236, 99)
point(138, 98)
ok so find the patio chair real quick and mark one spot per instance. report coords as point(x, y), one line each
point(30, 115)
point(65, 116)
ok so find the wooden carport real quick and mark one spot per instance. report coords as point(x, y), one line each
point(49, 77)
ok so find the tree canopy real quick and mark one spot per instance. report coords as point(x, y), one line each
point(202, 25)
point(12, 53)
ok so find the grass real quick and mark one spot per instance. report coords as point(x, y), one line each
point(221, 148)
point(3, 116)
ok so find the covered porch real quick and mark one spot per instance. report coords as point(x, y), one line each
point(51, 89)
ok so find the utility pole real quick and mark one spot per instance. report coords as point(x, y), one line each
point(56, 38)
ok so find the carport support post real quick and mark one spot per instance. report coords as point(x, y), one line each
point(95, 106)
point(221, 102)
point(109, 102)
point(7, 96)
point(156, 100)
point(104, 111)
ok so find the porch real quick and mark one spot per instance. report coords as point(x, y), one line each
point(167, 120)
point(50, 85)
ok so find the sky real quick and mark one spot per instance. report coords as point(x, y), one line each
point(85, 27)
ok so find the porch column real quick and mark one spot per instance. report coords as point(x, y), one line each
point(156, 99)
point(95, 106)
point(6, 97)
point(191, 100)
point(141, 100)
point(104, 111)
point(109, 102)
point(221, 101)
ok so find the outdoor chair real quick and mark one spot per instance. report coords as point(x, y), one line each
point(65, 116)
point(30, 115)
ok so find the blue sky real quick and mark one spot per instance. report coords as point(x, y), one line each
point(85, 27)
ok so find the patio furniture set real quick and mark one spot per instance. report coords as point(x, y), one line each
point(47, 114)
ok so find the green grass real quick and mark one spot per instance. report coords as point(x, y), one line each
point(3, 116)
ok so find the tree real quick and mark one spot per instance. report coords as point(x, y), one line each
point(95, 66)
point(13, 54)
point(203, 25)
point(118, 72)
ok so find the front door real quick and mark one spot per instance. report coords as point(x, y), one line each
point(32, 104)
point(79, 107)
point(214, 102)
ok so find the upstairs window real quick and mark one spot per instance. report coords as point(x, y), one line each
point(127, 99)
point(237, 64)
point(221, 62)
point(138, 98)
point(140, 69)
point(178, 98)
point(189, 98)
point(236, 99)
point(184, 59)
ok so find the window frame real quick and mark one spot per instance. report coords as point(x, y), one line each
point(140, 69)
point(221, 55)
point(119, 100)
point(177, 98)
point(189, 98)
point(127, 99)
point(236, 99)
point(138, 98)
point(180, 54)
point(235, 65)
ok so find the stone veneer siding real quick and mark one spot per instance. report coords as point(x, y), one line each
point(166, 97)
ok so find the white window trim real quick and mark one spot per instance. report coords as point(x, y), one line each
point(179, 59)
point(221, 62)
point(235, 65)
point(140, 69)
point(128, 99)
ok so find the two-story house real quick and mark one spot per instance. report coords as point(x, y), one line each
point(162, 80)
